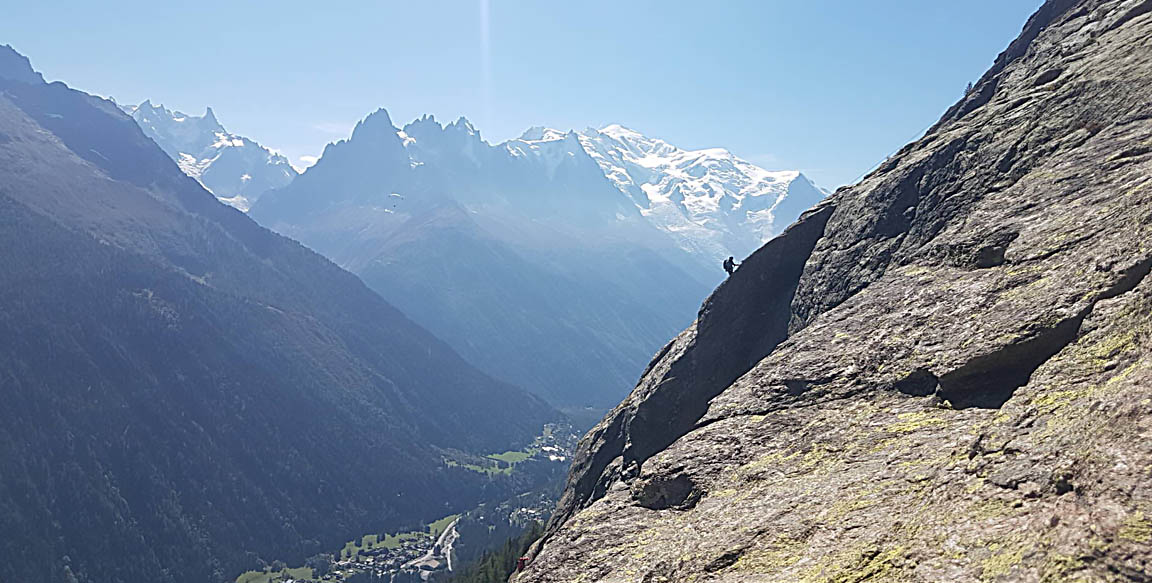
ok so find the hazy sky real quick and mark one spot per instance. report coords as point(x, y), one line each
point(829, 87)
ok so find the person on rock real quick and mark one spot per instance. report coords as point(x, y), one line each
point(730, 265)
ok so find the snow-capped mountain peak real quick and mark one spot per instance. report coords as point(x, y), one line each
point(712, 202)
point(541, 134)
point(426, 139)
point(234, 168)
point(552, 147)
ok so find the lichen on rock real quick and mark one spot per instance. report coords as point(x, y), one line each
point(943, 373)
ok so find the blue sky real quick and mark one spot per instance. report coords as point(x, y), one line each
point(829, 87)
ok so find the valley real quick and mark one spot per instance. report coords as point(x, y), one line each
point(323, 345)
point(441, 546)
point(193, 391)
point(529, 257)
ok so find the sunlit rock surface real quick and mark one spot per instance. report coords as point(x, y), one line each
point(956, 385)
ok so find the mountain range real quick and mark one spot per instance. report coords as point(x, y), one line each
point(713, 204)
point(535, 256)
point(187, 394)
point(941, 373)
point(499, 249)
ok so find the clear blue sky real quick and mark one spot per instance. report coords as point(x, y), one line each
point(829, 87)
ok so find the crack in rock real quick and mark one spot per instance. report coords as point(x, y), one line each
point(989, 380)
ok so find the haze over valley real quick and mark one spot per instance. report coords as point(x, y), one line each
point(754, 292)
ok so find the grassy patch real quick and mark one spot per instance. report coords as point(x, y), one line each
point(495, 464)
point(492, 470)
point(392, 541)
point(437, 528)
point(375, 541)
point(269, 577)
point(513, 457)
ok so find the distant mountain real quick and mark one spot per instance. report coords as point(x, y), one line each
point(711, 202)
point(16, 67)
point(234, 168)
point(185, 392)
point(531, 268)
point(524, 255)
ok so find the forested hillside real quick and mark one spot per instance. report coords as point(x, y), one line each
point(186, 392)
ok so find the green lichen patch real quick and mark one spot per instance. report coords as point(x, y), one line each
point(1002, 562)
point(1137, 527)
point(915, 421)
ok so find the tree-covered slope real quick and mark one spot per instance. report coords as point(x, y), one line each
point(184, 391)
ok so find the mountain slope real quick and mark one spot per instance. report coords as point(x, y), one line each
point(187, 392)
point(234, 168)
point(940, 374)
point(16, 67)
point(529, 268)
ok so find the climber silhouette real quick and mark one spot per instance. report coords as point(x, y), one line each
point(730, 265)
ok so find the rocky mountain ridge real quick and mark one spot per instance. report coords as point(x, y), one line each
point(939, 374)
point(234, 168)
point(17, 67)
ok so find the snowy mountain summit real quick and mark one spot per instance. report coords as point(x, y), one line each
point(711, 202)
point(234, 168)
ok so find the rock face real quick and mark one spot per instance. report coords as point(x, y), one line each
point(16, 67)
point(943, 373)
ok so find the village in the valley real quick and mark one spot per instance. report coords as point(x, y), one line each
point(446, 544)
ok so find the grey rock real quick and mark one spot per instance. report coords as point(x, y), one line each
point(16, 67)
point(939, 374)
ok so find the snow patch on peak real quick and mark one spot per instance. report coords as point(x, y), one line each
point(542, 134)
point(225, 140)
point(533, 134)
point(552, 147)
point(425, 140)
point(619, 132)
